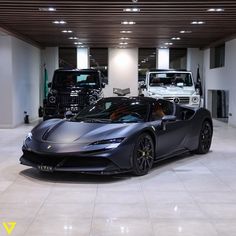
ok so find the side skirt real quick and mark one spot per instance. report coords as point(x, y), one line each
point(173, 154)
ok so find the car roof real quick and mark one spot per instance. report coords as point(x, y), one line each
point(170, 70)
point(77, 70)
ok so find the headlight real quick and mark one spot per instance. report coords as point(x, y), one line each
point(52, 99)
point(28, 138)
point(112, 143)
point(92, 99)
point(150, 93)
point(195, 99)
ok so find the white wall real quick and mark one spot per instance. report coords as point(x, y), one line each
point(83, 58)
point(163, 59)
point(223, 78)
point(19, 81)
point(6, 101)
point(122, 70)
point(195, 58)
point(26, 61)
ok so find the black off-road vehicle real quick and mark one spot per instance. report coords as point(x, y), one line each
point(72, 90)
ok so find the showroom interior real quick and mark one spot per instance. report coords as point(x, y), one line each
point(188, 194)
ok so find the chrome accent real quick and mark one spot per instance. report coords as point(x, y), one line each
point(182, 100)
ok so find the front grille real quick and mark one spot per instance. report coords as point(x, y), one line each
point(182, 100)
point(80, 100)
point(66, 161)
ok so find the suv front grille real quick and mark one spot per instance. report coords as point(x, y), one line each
point(182, 100)
point(80, 100)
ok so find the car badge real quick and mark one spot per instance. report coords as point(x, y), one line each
point(49, 146)
point(176, 100)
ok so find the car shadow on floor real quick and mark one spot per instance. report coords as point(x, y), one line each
point(73, 178)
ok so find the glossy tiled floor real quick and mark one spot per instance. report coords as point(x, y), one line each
point(189, 196)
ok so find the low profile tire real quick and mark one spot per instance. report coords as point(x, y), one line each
point(205, 138)
point(143, 155)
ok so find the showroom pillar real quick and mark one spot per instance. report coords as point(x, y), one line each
point(6, 99)
point(50, 59)
point(162, 58)
point(122, 70)
point(83, 58)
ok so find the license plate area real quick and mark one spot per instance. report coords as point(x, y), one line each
point(45, 168)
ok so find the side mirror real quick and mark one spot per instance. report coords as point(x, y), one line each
point(68, 115)
point(49, 84)
point(143, 86)
point(103, 85)
point(166, 119)
point(197, 85)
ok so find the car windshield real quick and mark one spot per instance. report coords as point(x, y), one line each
point(170, 79)
point(114, 111)
point(64, 79)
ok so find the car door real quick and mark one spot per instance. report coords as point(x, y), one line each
point(171, 138)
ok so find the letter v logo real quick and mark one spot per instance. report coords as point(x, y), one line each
point(9, 226)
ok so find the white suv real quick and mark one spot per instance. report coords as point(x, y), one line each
point(172, 85)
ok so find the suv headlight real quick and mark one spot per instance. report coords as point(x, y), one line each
point(151, 93)
point(92, 99)
point(195, 99)
point(52, 99)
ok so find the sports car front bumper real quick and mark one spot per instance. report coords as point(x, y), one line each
point(110, 161)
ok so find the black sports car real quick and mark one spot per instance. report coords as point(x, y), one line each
point(118, 134)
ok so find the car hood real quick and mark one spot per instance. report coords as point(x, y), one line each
point(64, 131)
point(171, 90)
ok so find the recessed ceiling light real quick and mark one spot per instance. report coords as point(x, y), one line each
point(185, 31)
point(67, 31)
point(123, 43)
point(126, 31)
point(47, 9)
point(78, 43)
point(57, 22)
point(215, 9)
point(73, 38)
point(175, 38)
point(168, 44)
point(80, 46)
point(131, 9)
point(163, 47)
point(197, 22)
point(123, 38)
point(128, 23)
